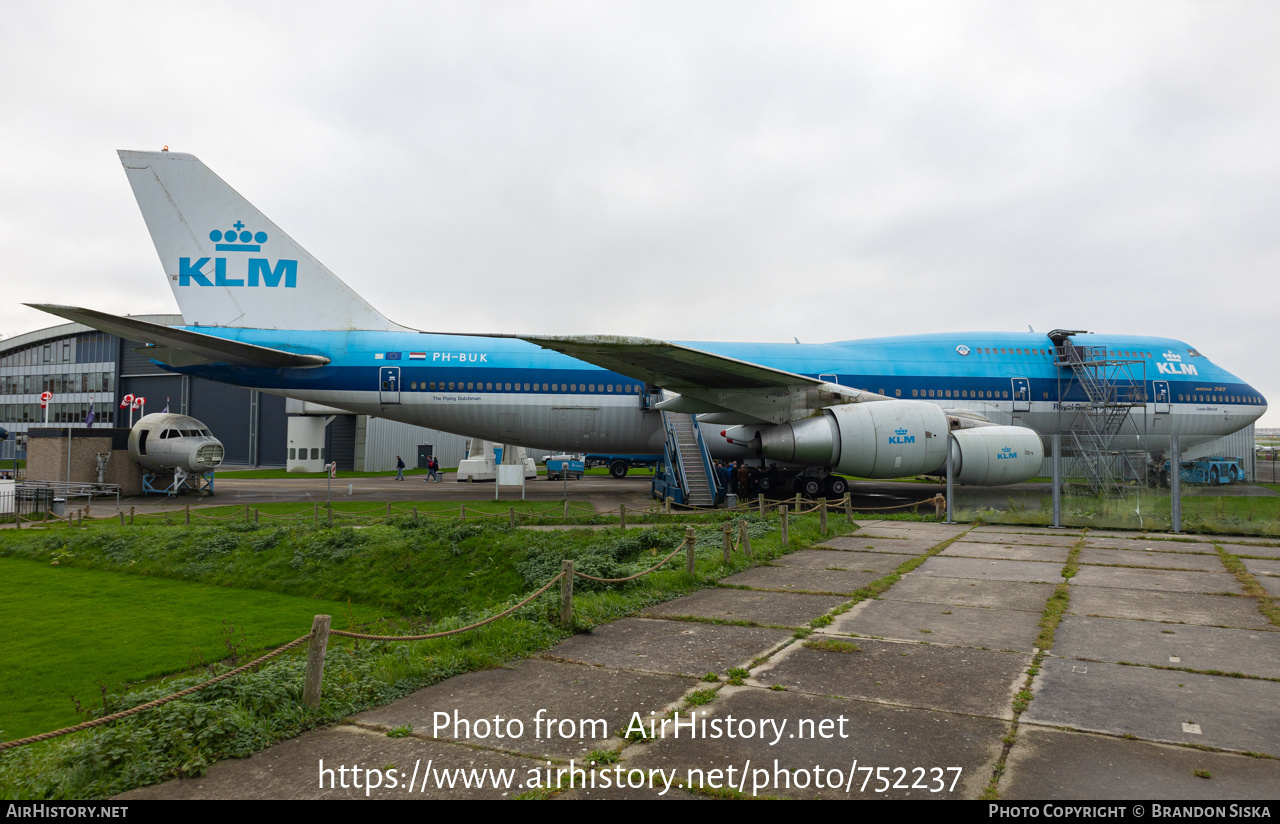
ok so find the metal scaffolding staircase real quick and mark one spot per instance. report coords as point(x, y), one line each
point(1112, 388)
point(689, 460)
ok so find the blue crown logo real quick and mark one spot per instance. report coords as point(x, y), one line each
point(899, 431)
point(248, 241)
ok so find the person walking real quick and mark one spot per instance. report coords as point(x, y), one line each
point(399, 468)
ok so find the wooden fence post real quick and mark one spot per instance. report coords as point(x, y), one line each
point(622, 516)
point(760, 500)
point(188, 518)
point(848, 507)
point(797, 503)
point(462, 514)
point(782, 512)
point(315, 660)
point(822, 515)
point(315, 513)
point(511, 516)
point(743, 538)
point(130, 516)
point(566, 509)
point(256, 513)
point(415, 516)
point(690, 542)
point(667, 504)
point(566, 592)
point(330, 508)
point(388, 512)
point(728, 543)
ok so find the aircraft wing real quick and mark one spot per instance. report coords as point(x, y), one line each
point(756, 393)
point(182, 347)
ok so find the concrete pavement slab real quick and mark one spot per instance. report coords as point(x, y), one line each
point(846, 561)
point(674, 647)
point(567, 692)
point(291, 770)
point(941, 566)
point(1262, 567)
point(1161, 580)
point(1161, 545)
point(1231, 713)
point(783, 609)
point(952, 679)
point(970, 593)
point(1271, 584)
point(1007, 552)
point(1167, 645)
point(1022, 539)
point(866, 543)
point(915, 746)
point(1252, 550)
point(801, 579)
point(1056, 764)
point(1026, 530)
point(941, 624)
point(1147, 536)
point(1176, 607)
point(1154, 560)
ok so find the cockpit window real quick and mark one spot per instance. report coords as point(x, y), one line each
point(1194, 353)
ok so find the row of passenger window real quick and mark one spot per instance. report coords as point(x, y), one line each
point(475, 386)
point(973, 394)
point(1220, 398)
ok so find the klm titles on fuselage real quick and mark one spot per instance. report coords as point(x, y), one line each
point(901, 436)
point(257, 271)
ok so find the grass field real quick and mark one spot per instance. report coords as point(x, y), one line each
point(127, 582)
point(73, 632)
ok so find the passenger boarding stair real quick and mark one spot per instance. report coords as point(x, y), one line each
point(1112, 389)
point(689, 460)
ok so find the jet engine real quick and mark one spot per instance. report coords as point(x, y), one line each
point(893, 439)
point(164, 442)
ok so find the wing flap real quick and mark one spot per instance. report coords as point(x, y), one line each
point(670, 365)
point(762, 393)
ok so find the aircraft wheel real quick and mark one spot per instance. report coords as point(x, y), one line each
point(811, 487)
point(1213, 475)
point(618, 469)
point(836, 487)
point(766, 485)
point(1235, 475)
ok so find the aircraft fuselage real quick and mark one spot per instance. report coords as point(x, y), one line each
point(512, 391)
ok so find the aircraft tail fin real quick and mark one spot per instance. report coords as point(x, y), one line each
point(227, 263)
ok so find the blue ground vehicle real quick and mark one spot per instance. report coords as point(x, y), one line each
point(619, 464)
point(1215, 470)
point(563, 465)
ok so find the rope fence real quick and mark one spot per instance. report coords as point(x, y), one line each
point(320, 630)
point(567, 512)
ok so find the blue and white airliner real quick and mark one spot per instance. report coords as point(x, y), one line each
point(261, 312)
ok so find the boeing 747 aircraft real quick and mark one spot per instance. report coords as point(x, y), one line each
point(261, 312)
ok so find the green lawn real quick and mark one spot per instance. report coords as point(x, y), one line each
point(70, 632)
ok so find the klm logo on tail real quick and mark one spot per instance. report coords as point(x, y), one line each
point(901, 436)
point(256, 271)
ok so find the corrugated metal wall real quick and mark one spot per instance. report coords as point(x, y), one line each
point(385, 439)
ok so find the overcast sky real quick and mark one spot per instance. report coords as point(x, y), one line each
point(693, 171)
